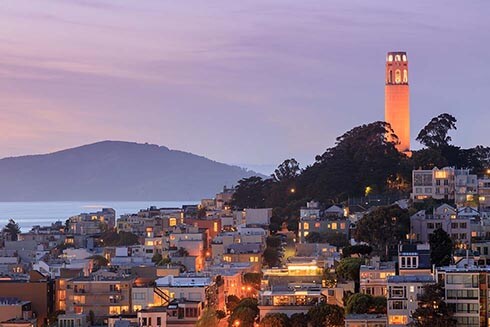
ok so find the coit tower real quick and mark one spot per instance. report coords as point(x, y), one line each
point(397, 103)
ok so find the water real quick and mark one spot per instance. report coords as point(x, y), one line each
point(28, 214)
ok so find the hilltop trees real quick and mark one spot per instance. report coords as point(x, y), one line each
point(383, 227)
point(435, 134)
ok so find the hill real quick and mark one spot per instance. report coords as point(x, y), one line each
point(114, 170)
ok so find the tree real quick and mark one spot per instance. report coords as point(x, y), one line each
point(275, 320)
point(441, 247)
point(326, 315)
point(220, 314)
point(273, 241)
point(208, 318)
point(361, 157)
point(99, 261)
point(286, 171)
point(360, 303)
point(156, 258)
point(348, 268)
point(231, 302)
point(333, 238)
point(359, 249)
point(253, 279)
point(12, 229)
point(272, 257)
point(383, 227)
point(435, 134)
point(181, 252)
point(250, 193)
point(298, 320)
point(432, 311)
point(245, 312)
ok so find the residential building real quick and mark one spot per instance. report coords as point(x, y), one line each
point(314, 220)
point(72, 320)
point(374, 278)
point(365, 320)
point(414, 259)
point(403, 295)
point(294, 289)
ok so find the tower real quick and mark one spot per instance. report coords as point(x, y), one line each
point(397, 102)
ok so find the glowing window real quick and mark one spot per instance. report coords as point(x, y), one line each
point(405, 76)
point(390, 58)
point(215, 226)
point(334, 225)
point(404, 58)
point(306, 226)
point(398, 76)
point(397, 58)
point(317, 225)
point(306, 234)
point(397, 320)
point(441, 174)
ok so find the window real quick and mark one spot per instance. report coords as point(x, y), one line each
point(306, 226)
point(398, 77)
point(159, 321)
point(462, 225)
point(454, 225)
point(397, 319)
point(485, 250)
point(334, 225)
point(317, 225)
point(430, 226)
point(405, 76)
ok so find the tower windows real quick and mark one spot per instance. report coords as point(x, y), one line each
point(404, 58)
point(405, 76)
point(390, 58)
point(398, 76)
point(390, 77)
point(397, 58)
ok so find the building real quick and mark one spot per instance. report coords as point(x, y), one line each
point(374, 278)
point(13, 308)
point(291, 290)
point(365, 320)
point(103, 295)
point(38, 290)
point(152, 317)
point(397, 101)
point(314, 220)
point(402, 297)
point(414, 259)
point(466, 291)
point(72, 320)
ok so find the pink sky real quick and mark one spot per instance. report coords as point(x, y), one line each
point(244, 82)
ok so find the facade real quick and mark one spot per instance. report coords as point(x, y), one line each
point(397, 100)
point(374, 278)
point(105, 296)
point(290, 290)
point(152, 317)
point(365, 320)
point(414, 259)
point(402, 297)
point(72, 320)
point(467, 294)
point(314, 220)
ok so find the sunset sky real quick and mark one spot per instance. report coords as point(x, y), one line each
point(244, 82)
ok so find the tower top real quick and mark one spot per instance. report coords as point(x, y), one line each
point(396, 56)
point(396, 68)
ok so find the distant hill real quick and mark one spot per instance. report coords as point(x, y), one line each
point(113, 170)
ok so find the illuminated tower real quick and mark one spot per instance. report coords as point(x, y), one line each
point(397, 103)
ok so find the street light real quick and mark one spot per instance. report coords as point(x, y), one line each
point(236, 323)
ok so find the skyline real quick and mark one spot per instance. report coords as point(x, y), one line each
point(247, 84)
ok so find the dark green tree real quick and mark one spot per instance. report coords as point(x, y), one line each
point(113, 238)
point(275, 320)
point(99, 261)
point(361, 157)
point(435, 134)
point(273, 241)
point(156, 258)
point(231, 302)
point(246, 311)
point(383, 227)
point(359, 249)
point(348, 268)
point(432, 311)
point(253, 279)
point(298, 320)
point(12, 230)
point(251, 193)
point(360, 303)
point(441, 247)
point(333, 238)
point(272, 257)
point(286, 171)
point(326, 315)
point(220, 314)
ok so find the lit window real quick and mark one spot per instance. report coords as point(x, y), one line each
point(306, 226)
point(215, 226)
point(390, 58)
point(306, 234)
point(398, 76)
point(397, 320)
point(334, 225)
point(172, 222)
point(405, 76)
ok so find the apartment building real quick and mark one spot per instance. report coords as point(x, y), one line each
point(314, 220)
point(374, 278)
point(290, 290)
point(466, 292)
point(103, 295)
point(403, 294)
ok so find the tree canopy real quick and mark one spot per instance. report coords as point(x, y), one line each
point(360, 303)
point(12, 229)
point(326, 315)
point(432, 310)
point(435, 134)
point(441, 247)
